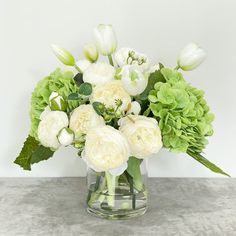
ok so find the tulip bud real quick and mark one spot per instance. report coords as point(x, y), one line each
point(134, 108)
point(65, 136)
point(91, 52)
point(105, 39)
point(57, 102)
point(191, 57)
point(63, 55)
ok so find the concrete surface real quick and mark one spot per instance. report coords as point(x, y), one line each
point(56, 206)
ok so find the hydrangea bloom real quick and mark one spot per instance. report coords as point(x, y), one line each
point(183, 114)
point(59, 81)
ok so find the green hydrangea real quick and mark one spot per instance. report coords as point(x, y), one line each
point(58, 81)
point(183, 114)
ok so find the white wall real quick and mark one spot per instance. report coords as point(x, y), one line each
point(160, 28)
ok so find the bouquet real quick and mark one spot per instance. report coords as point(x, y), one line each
point(117, 113)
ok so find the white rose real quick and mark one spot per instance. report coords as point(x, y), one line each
point(128, 56)
point(105, 149)
point(143, 134)
point(83, 65)
point(84, 118)
point(49, 128)
point(134, 108)
point(66, 136)
point(133, 80)
point(99, 73)
point(109, 93)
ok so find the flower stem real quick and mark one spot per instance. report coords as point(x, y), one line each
point(177, 67)
point(78, 69)
point(111, 181)
point(110, 60)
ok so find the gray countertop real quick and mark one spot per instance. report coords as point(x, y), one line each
point(177, 206)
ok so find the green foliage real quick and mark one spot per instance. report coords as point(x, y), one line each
point(198, 157)
point(183, 114)
point(58, 81)
point(85, 89)
point(32, 152)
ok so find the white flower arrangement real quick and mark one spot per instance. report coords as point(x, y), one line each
point(116, 114)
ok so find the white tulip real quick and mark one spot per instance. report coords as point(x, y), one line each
point(143, 134)
point(109, 93)
point(128, 56)
point(83, 65)
point(50, 126)
point(191, 57)
point(105, 149)
point(134, 108)
point(63, 55)
point(65, 136)
point(84, 118)
point(99, 73)
point(57, 102)
point(90, 52)
point(105, 39)
point(133, 80)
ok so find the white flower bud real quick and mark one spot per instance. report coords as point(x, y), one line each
point(134, 108)
point(191, 57)
point(90, 52)
point(133, 80)
point(65, 136)
point(105, 39)
point(56, 102)
point(63, 55)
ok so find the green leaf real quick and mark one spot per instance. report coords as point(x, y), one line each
point(32, 152)
point(74, 96)
point(78, 78)
point(85, 89)
point(24, 158)
point(198, 157)
point(152, 80)
point(41, 154)
point(134, 170)
point(99, 107)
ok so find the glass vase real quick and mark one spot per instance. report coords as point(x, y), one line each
point(117, 197)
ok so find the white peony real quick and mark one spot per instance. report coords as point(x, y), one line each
point(133, 80)
point(143, 134)
point(83, 64)
point(50, 126)
point(99, 73)
point(84, 118)
point(128, 56)
point(105, 149)
point(109, 93)
point(66, 136)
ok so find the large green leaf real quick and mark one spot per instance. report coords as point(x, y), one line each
point(32, 152)
point(198, 157)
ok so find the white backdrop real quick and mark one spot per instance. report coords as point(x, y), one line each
point(159, 28)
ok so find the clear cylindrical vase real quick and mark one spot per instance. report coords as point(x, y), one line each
point(117, 197)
